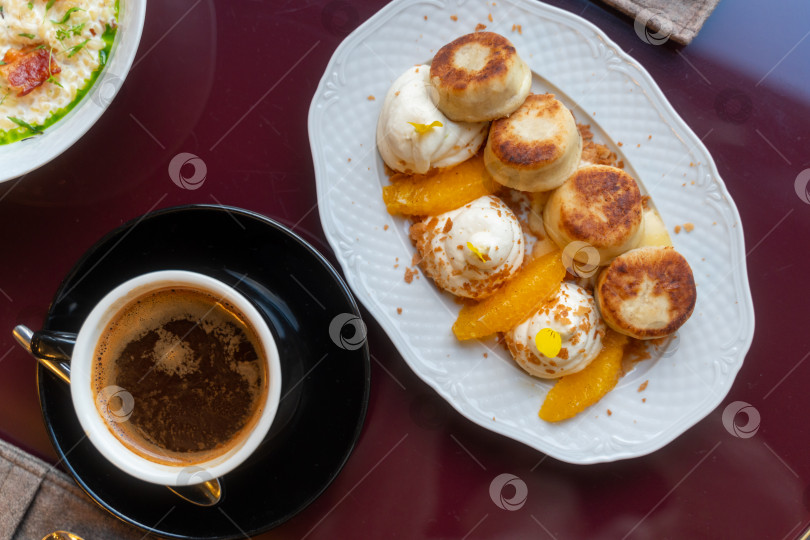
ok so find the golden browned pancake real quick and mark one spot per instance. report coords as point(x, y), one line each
point(536, 147)
point(647, 292)
point(599, 205)
point(479, 77)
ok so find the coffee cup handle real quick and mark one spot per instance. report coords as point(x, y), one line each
point(51, 349)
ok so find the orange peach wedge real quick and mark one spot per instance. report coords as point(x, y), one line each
point(535, 283)
point(576, 392)
point(439, 192)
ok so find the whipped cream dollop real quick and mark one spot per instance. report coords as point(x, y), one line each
point(403, 147)
point(572, 314)
point(472, 250)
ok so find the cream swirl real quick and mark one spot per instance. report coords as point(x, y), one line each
point(403, 148)
point(573, 315)
point(472, 250)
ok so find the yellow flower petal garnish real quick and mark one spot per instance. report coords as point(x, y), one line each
point(548, 342)
point(425, 128)
point(476, 251)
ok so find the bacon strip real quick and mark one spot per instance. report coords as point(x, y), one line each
point(27, 68)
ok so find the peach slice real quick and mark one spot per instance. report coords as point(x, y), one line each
point(439, 192)
point(514, 302)
point(576, 392)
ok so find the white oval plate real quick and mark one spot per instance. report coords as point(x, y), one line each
point(606, 88)
point(21, 157)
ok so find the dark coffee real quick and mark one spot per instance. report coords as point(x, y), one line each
point(194, 368)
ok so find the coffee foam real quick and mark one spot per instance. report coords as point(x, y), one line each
point(171, 355)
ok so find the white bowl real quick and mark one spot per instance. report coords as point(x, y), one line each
point(21, 157)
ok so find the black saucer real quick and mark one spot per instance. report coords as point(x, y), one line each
point(325, 386)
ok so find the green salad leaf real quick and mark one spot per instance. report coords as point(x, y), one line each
point(68, 13)
point(76, 48)
point(24, 124)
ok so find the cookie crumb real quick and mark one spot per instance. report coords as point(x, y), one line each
point(644, 400)
point(371, 98)
point(385, 227)
point(643, 386)
point(425, 17)
point(620, 143)
point(689, 227)
point(489, 17)
point(677, 229)
point(399, 311)
point(479, 27)
point(349, 160)
point(486, 355)
point(453, 18)
point(609, 412)
point(410, 273)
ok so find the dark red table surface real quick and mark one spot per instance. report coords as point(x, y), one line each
point(231, 82)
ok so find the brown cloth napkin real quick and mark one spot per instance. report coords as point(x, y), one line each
point(37, 499)
point(680, 20)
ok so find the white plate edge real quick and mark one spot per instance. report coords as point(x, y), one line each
point(680, 127)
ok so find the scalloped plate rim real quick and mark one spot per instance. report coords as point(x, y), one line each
point(650, 445)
